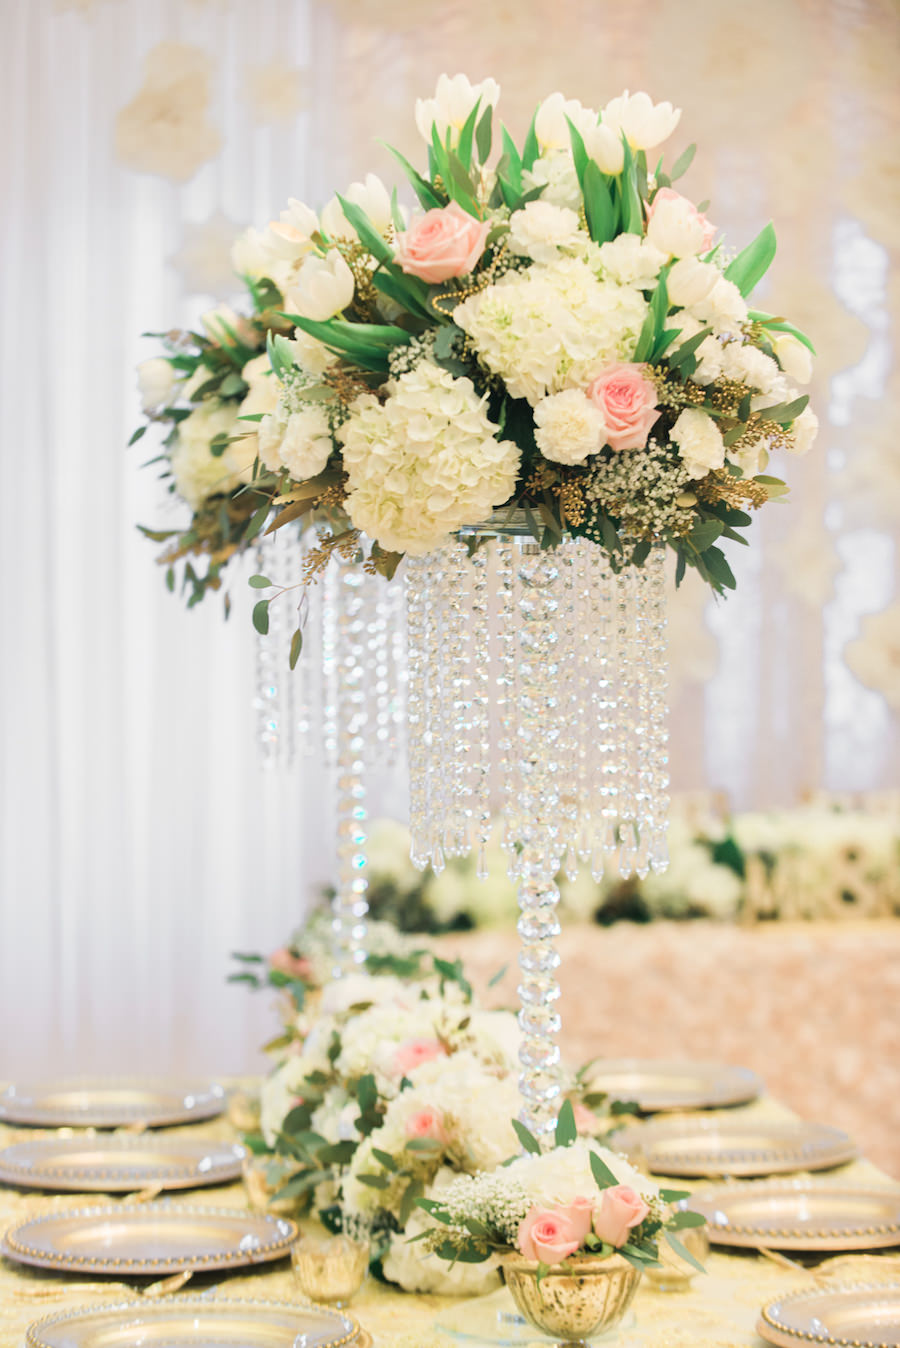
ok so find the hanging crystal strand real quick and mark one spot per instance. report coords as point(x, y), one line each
point(329, 605)
point(439, 586)
point(658, 749)
point(418, 577)
point(538, 926)
point(397, 670)
point(601, 599)
point(310, 696)
point(642, 760)
point(623, 723)
point(271, 699)
point(480, 723)
point(349, 906)
point(570, 707)
point(505, 554)
point(456, 669)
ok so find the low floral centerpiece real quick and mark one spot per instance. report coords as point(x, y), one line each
point(573, 1227)
point(556, 330)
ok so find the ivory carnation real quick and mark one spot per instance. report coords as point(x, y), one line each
point(806, 428)
point(551, 328)
point(645, 124)
point(747, 364)
point(541, 229)
point(631, 261)
point(676, 227)
point(699, 441)
point(442, 243)
point(425, 461)
point(569, 427)
point(450, 108)
point(302, 444)
point(554, 171)
point(723, 309)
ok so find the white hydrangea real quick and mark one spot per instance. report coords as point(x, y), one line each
point(540, 229)
point(569, 426)
point(631, 260)
point(415, 1270)
point(424, 462)
point(699, 441)
point(564, 1174)
point(552, 327)
point(335, 1118)
point(356, 989)
point(370, 1040)
point(555, 172)
point(279, 1094)
point(301, 444)
point(197, 471)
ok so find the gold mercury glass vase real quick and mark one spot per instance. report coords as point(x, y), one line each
point(575, 1300)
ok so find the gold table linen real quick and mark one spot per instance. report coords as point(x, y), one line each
point(719, 1311)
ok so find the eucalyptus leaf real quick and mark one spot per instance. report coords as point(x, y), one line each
point(261, 616)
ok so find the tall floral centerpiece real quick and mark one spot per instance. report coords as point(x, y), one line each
point(552, 352)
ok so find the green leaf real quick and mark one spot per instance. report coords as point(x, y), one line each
point(780, 325)
point(374, 1181)
point(367, 1093)
point(687, 348)
point(337, 1153)
point(385, 1159)
point(259, 582)
point(599, 210)
point(641, 552)
point(718, 568)
point(705, 533)
point(141, 430)
point(256, 521)
point(261, 616)
point(632, 214)
point(674, 1195)
point(683, 1219)
point(604, 1177)
point(296, 648)
point(611, 540)
point(680, 567)
point(513, 166)
point(484, 134)
point(579, 153)
point(531, 149)
point(683, 1252)
point(566, 1131)
point(424, 1144)
point(390, 284)
point(170, 578)
point(528, 1140)
point(366, 231)
point(496, 978)
point(428, 198)
point(752, 264)
point(682, 163)
point(412, 1193)
point(467, 136)
point(784, 413)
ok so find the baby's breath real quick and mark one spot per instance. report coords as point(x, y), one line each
point(640, 487)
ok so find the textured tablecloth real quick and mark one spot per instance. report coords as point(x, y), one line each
point(719, 1311)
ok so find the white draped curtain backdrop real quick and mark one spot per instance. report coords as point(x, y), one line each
point(141, 838)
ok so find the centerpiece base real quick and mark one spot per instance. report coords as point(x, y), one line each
point(496, 1319)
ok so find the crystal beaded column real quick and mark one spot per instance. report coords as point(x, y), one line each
point(349, 906)
point(537, 752)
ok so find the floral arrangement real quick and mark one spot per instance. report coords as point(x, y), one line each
point(555, 331)
point(577, 1201)
point(824, 859)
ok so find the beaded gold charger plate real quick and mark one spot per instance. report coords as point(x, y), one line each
point(119, 1163)
point(656, 1085)
point(736, 1147)
point(863, 1315)
point(149, 1239)
point(800, 1215)
point(199, 1322)
point(110, 1102)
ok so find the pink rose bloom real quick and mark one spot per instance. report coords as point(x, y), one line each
point(620, 1209)
point(676, 227)
point(443, 242)
point(295, 966)
point(413, 1052)
point(427, 1122)
point(627, 401)
point(550, 1235)
point(586, 1121)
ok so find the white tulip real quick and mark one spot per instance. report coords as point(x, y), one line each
point(605, 147)
point(551, 124)
point(806, 428)
point(676, 227)
point(793, 357)
point(324, 287)
point(371, 196)
point(646, 124)
point(689, 281)
point(452, 104)
point(250, 255)
point(286, 242)
point(156, 383)
point(300, 217)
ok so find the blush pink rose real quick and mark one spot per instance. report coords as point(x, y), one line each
point(586, 1121)
point(413, 1052)
point(550, 1235)
point(443, 242)
point(627, 401)
point(295, 966)
point(427, 1122)
point(619, 1210)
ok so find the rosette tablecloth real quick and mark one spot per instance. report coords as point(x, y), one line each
point(719, 1311)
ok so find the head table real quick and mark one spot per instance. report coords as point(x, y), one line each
point(719, 1310)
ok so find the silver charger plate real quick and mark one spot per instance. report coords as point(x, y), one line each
point(656, 1085)
point(148, 1239)
point(198, 1322)
point(739, 1147)
point(119, 1163)
point(844, 1315)
point(800, 1214)
point(110, 1102)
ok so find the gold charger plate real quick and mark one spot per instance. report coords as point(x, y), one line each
point(110, 1102)
point(657, 1085)
point(737, 1147)
point(199, 1322)
point(800, 1215)
point(845, 1315)
point(119, 1163)
point(149, 1239)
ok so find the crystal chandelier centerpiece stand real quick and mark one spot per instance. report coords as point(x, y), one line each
point(537, 683)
